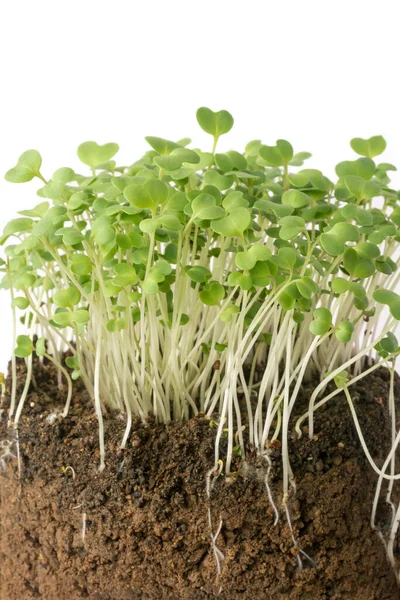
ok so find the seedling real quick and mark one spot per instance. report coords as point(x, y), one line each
point(170, 278)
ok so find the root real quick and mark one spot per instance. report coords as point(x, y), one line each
point(267, 487)
point(219, 557)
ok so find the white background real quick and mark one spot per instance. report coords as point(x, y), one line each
point(314, 72)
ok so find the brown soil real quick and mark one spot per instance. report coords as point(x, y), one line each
point(139, 530)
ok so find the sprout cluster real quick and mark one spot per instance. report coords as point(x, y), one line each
point(195, 281)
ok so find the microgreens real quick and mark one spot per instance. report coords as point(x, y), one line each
point(152, 273)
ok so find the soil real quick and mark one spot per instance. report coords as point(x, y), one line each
point(139, 529)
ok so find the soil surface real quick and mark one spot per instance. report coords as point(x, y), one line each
point(139, 529)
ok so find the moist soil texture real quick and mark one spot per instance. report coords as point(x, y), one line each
point(139, 529)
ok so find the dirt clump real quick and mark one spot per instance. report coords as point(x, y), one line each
point(139, 529)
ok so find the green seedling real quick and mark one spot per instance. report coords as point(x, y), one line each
point(168, 279)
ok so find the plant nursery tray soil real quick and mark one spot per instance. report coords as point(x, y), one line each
point(139, 529)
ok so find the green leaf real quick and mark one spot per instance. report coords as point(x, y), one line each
point(67, 319)
point(81, 264)
point(341, 286)
point(322, 321)
point(227, 314)
point(341, 379)
point(234, 224)
point(70, 235)
point(162, 267)
point(204, 207)
point(198, 274)
point(162, 146)
point(39, 211)
point(234, 200)
point(92, 154)
point(125, 275)
point(27, 167)
point(157, 190)
point(19, 225)
point(359, 214)
point(20, 302)
point(223, 162)
point(240, 279)
point(40, 348)
point(299, 158)
point(212, 293)
point(260, 274)
point(360, 188)
point(247, 260)
point(291, 227)
point(296, 199)
point(67, 298)
point(24, 346)
point(287, 298)
point(371, 147)
point(280, 210)
point(285, 259)
point(214, 123)
point(176, 202)
point(221, 182)
point(80, 316)
point(362, 167)
point(78, 200)
point(177, 157)
point(344, 331)
point(334, 242)
point(381, 232)
point(278, 155)
point(307, 287)
point(367, 250)
point(359, 268)
point(389, 343)
point(299, 179)
point(389, 298)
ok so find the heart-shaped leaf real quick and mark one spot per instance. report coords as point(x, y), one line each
point(322, 321)
point(162, 146)
point(24, 346)
point(296, 199)
point(243, 280)
point(27, 167)
point(359, 214)
point(299, 158)
point(344, 331)
point(234, 200)
point(175, 160)
point(212, 293)
point(19, 225)
point(285, 259)
point(67, 298)
point(278, 155)
point(360, 188)
point(371, 147)
point(234, 224)
point(335, 240)
point(198, 274)
point(291, 227)
point(341, 286)
point(214, 123)
point(92, 154)
point(204, 207)
point(307, 287)
point(125, 275)
point(389, 298)
point(40, 347)
point(362, 167)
